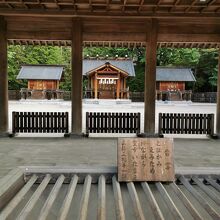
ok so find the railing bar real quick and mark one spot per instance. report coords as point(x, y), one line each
point(211, 194)
point(153, 203)
point(68, 199)
point(34, 198)
point(169, 201)
point(200, 199)
point(85, 198)
point(101, 198)
point(136, 203)
point(120, 214)
point(51, 198)
point(186, 202)
point(213, 183)
point(18, 197)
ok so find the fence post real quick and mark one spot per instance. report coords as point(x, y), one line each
point(160, 125)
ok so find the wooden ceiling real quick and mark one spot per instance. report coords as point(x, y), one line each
point(155, 8)
point(203, 45)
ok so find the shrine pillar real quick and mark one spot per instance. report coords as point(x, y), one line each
point(77, 77)
point(218, 100)
point(3, 78)
point(150, 79)
point(96, 86)
point(118, 87)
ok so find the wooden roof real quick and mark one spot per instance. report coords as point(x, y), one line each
point(125, 66)
point(71, 8)
point(114, 23)
point(174, 74)
point(41, 72)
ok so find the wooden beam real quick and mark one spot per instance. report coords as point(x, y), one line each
point(3, 78)
point(150, 79)
point(77, 77)
point(218, 100)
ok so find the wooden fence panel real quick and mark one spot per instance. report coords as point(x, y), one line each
point(184, 123)
point(112, 122)
point(40, 122)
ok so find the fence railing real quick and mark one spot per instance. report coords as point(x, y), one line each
point(183, 123)
point(106, 122)
point(40, 122)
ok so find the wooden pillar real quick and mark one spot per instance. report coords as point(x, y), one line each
point(77, 77)
point(96, 86)
point(3, 78)
point(118, 87)
point(218, 100)
point(150, 79)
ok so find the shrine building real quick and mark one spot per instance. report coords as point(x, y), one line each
point(107, 78)
point(43, 81)
point(173, 78)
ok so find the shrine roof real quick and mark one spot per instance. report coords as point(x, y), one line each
point(124, 65)
point(176, 74)
point(41, 72)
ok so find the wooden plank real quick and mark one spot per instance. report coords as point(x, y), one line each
point(124, 122)
point(10, 185)
point(51, 198)
point(85, 199)
point(28, 122)
point(67, 122)
point(199, 198)
point(139, 123)
point(25, 121)
point(64, 210)
point(48, 121)
point(101, 199)
point(120, 123)
point(174, 210)
point(213, 183)
point(102, 122)
point(13, 122)
point(153, 203)
point(107, 122)
point(135, 200)
point(145, 159)
point(209, 192)
point(120, 213)
point(186, 202)
point(17, 198)
point(87, 123)
point(98, 122)
point(34, 198)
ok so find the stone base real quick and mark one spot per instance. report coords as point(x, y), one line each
point(148, 135)
point(4, 134)
point(215, 136)
point(74, 135)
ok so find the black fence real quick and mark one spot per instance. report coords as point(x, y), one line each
point(40, 122)
point(182, 123)
point(206, 97)
point(103, 122)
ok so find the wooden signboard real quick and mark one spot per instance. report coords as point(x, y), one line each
point(145, 159)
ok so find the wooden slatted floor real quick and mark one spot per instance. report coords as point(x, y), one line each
point(96, 194)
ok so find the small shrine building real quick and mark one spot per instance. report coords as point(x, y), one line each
point(107, 78)
point(171, 83)
point(43, 81)
point(173, 78)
